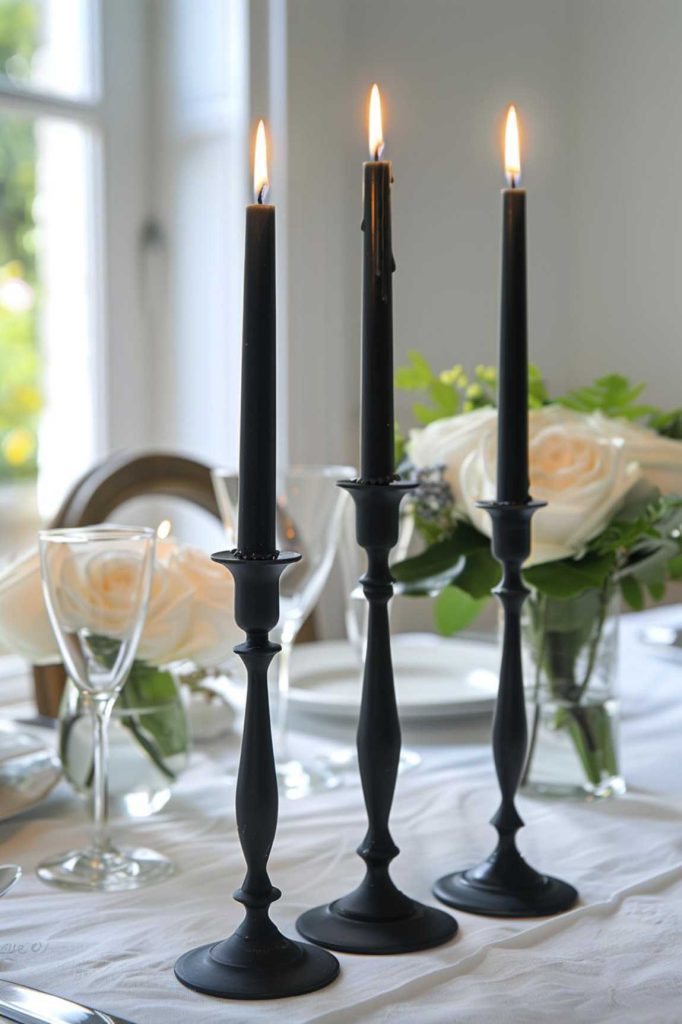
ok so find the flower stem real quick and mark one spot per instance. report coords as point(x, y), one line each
point(538, 658)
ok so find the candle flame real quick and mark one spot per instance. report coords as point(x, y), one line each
point(376, 132)
point(512, 157)
point(163, 529)
point(261, 183)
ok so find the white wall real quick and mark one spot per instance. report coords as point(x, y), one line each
point(598, 86)
point(626, 225)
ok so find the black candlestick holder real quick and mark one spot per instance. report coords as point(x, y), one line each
point(505, 885)
point(256, 961)
point(376, 917)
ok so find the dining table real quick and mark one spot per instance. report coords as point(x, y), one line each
point(616, 956)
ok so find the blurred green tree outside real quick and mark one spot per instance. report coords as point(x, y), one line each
point(20, 397)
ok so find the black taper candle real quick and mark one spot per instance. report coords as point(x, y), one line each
point(504, 885)
point(512, 429)
point(377, 451)
point(257, 442)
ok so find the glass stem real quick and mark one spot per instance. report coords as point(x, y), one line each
point(281, 744)
point(101, 713)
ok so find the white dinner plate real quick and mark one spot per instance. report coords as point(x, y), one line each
point(28, 770)
point(435, 678)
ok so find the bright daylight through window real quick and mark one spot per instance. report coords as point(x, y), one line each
point(48, 256)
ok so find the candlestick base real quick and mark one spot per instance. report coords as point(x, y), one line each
point(480, 890)
point(334, 927)
point(233, 970)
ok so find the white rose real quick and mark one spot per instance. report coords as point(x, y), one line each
point(24, 626)
point(213, 632)
point(447, 443)
point(576, 465)
point(190, 612)
point(169, 613)
point(660, 458)
point(98, 587)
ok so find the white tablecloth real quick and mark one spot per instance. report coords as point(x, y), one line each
point(616, 957)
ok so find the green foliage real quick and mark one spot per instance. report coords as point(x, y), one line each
point(570, 577)
point(460, 570)
point(161, 730)
point(537, 390)
point(667, 423)
point(454, 610)
point(613, 395)
point(19, 356)
point(452, 391)
point(641, 548)
point(18, 36)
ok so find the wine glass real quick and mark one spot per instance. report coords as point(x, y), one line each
point(96, 583)
point(309, 516)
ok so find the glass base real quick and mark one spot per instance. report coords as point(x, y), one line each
point(343, 764)
point(608, 786)
point(296, 779)
point(110, 871)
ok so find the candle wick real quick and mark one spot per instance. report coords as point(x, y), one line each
point(260, 195)
point(512, 181)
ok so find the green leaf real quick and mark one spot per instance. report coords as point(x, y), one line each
point(537, 391)
point(440, 557)
point(435, 560)
point(614, 395)
point(479, 574)
point(444, 397)
point(570, 577)
point(675, 567)
point(424, 414)
point(407, 379)
point(632, 592)
point(455, 610)
point(669, 424)
point(162, 729)
point(421, 365)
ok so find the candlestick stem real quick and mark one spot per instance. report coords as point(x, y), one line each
point(377, 917)
point(505, 885)
point(256, 961)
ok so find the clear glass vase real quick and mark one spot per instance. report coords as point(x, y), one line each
point(570, 670)
point(148, 741)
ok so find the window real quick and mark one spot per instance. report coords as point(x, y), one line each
point(50, 345)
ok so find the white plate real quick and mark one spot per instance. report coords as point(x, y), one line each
point(28, 770)
point(435, 678)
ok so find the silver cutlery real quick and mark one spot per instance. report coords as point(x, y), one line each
point(24, 1005)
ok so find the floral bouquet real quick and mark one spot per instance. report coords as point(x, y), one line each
point(610, 469)
point(188, 620)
